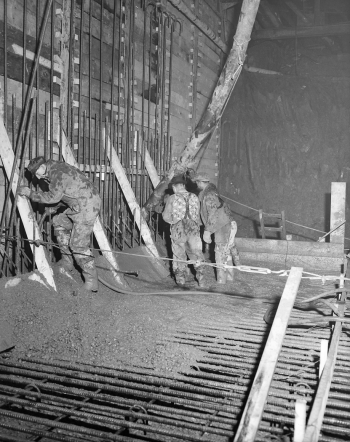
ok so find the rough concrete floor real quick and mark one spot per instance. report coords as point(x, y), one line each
point(113, 329)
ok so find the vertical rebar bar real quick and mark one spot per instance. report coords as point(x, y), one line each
point(52, 44)
point(90, 86)
point(24, 60)
point(5, 63)
point(101, 103)
point(105, 175)
point(81, 49)
point(162, 111)
point(70, 113)
point(37, 83)
point(83, 142)
point(12, 219)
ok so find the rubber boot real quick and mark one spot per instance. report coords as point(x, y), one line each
point(63, 238)
point(180, 278)
point(235, 256)
point(200, 276)
point(221, 276)
point(89, 273)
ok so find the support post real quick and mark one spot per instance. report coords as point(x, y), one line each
point(24, 208)
point(220, 97)
point(99, 232)
point(338, 206)
point(252, 414)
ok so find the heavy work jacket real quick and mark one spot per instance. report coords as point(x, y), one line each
point(182, 213)
point(69, 185)
point(215, 213)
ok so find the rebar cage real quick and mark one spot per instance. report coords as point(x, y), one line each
point(104, 67)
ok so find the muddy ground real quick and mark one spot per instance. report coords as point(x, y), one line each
point(112, 329)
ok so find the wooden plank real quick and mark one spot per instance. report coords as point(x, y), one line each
point(24, 208)
point(282, 247)
point(129, 196)
point(99, 232)
point(316, 264)
point(338, 207)
point(309, 31)
point(252, 414)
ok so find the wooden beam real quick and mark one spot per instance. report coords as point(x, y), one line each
point(302, 32)
point(338, 207)
point(129, 195)
point(220, 97)
point(151, 169)
point(99, 232)
point(252, 414)
point(314, 256)
point(24, 208)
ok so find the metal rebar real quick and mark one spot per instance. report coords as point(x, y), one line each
point(5, 64)
point(26, 107)
point(20, 175)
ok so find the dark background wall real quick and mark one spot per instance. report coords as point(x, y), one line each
point(286, 137)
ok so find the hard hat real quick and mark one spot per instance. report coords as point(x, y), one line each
point(35, 163)
point(178, 179)
point(201, 176)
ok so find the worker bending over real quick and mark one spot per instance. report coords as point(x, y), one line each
point(217, 218)
point(182, 213)
point(73, 227)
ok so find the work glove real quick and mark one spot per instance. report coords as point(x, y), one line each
point(207, 237)
point(51, 210)
point(24, 191)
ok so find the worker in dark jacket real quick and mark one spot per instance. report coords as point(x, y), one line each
point(217, 218)
point(73, 227)
point(182, 213)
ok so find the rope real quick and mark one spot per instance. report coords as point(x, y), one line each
point(290, 222)
point(241, 268)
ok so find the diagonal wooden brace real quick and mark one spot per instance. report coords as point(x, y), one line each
point(24, 208)
point(99, 231)
point(130, 196)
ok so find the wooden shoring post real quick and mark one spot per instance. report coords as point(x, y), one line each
point(129, 195)
point(24, 207)
point(99, 232)
point(252, 414)
point(313, 428)
point(338, 208)
point(219, 99)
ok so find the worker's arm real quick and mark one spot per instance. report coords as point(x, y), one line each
point(168, 210)
point(212, 203)
point(53, 196)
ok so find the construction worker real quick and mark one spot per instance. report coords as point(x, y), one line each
point(73, 227)
point(182, 213)
point(217, 218)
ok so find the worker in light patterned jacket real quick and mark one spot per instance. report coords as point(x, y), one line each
point(218, 219)
point(73, 227)
point(182, 213)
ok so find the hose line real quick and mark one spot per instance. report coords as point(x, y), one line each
point(161, 292)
